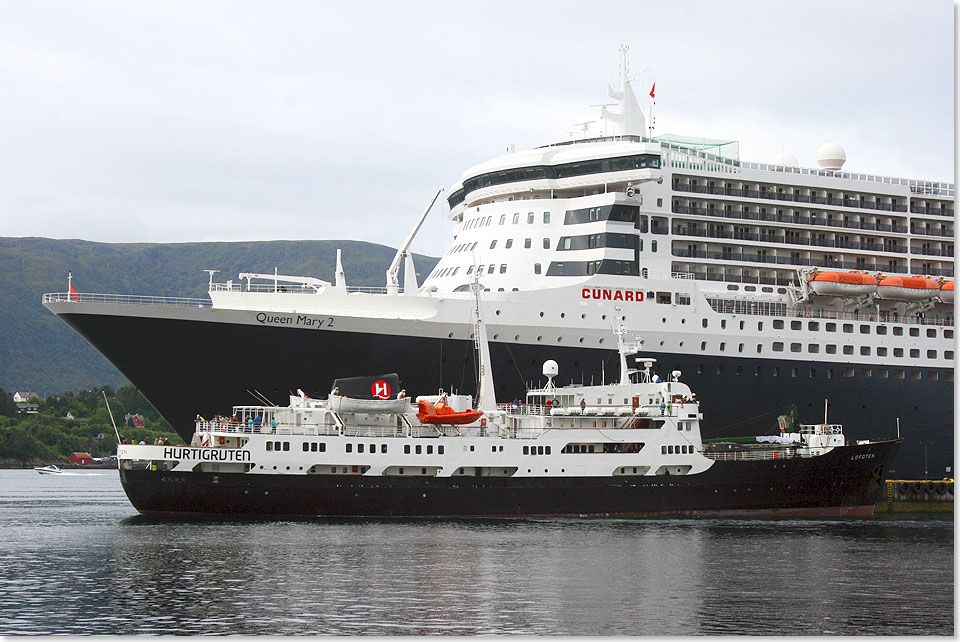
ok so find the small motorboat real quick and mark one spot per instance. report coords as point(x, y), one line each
point(48, 470)
point(440, 413)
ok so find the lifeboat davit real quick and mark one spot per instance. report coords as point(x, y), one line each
point(907, 288)
point(843, 283)
point(440, 413)
point(946, 292)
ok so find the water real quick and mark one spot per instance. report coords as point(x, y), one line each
point(75, 558)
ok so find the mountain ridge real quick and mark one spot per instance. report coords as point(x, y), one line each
point(41, 353)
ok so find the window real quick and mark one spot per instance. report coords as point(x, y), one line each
point(778, 346)
point(306, 447)
point(898, 352)
point(881, 352)
point(847, 349)
point(931, 332)
point(503, 268)
point(491, 268)
point(914, 332)
point(383, 448)
point(349, 448)
point(813, 348)
point(536, 268)
point(653, 246)
point(778, 324)
point(359, 448)
point(503, 219)
point(897, 331)
point(831, 327)
point(931, 354)
point(527, 243)
point(848, 328)
point(864, 329)
point(831, 349)
point(493, 244)
point(429, 450)
point(419, 449)
point(865, 351)
point(530, 218)
point(439, 450)
point(795, 325)
point(516, 218)
point(546, 218)
point(406, 449)
point(914, 353)
point(795, 347)
point(546, 243)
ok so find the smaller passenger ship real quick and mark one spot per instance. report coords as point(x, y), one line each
point(626, 449)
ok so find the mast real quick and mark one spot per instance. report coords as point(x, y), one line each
point(486, 396)
point(625, 348)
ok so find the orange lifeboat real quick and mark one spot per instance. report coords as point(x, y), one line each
point(946, 292)
point(842, 283)
point(907, 288)
point(440, 413)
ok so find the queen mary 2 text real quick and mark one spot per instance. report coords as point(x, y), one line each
point(601, 294)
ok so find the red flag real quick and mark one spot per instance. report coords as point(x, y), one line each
point(652, 89)
point(73, 293)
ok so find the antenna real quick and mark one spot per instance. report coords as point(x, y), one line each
point(115, 431)
point(211, 273)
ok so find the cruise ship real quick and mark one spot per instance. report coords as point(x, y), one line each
point(766, 285)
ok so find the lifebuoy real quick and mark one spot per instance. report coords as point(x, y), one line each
point(222, 441)
point(904, 487)
point(483, 421)
point(931, 487)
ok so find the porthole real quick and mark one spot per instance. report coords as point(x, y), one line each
point(603, 317)
point(540, 338)
point(601, 340)
point(583, 316)
point(661, 344)
point(559, 339)
point(563, 315)
point(516, 337)
point(450, 336)
point(496, 336)
point(541, 315)
point(581, 339)
point(663, 319)
point(498, 312)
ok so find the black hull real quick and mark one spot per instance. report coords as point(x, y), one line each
point(189, 367)
point(842, 483)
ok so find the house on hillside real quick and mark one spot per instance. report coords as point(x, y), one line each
point(23, 397)
point(81, 459)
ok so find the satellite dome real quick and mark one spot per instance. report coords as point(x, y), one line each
point(831, 156)
point(785, 159)
point(550, 368)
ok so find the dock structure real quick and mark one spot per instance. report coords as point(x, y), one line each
point(917, 496)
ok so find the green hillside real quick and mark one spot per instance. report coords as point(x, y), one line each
point(38, 352)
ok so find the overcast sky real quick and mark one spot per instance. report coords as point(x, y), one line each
point(201, 120)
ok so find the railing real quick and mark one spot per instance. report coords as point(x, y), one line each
point(791, 197)
point(771, 217)
point(743, 306)
point(787, 240)
point(289, 288)
point(780, 260)
point(597, 411)
point(751, 454)
point(124, 299)
point(916, 186)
